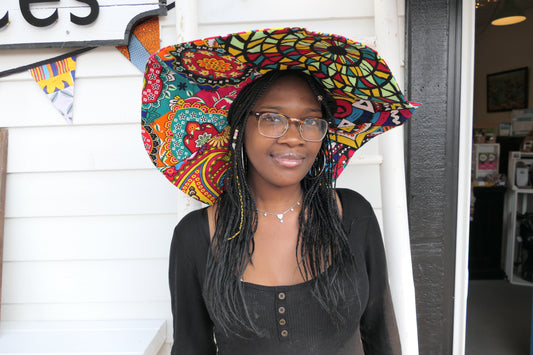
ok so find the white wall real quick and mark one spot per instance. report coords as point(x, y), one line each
point(88, 218)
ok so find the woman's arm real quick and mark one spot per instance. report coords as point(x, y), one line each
point(379, 331)
point(193, 329)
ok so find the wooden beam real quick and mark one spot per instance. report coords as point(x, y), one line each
point(433, 59)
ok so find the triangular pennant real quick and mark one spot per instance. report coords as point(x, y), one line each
point(144, 41)
point(57, 81)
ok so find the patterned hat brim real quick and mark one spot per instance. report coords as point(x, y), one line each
point(189, 88)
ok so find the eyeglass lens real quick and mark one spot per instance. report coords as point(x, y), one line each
point(274, 125)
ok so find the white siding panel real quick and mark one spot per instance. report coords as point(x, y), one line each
point(89, 194)
point(104, 62)
point(363, 179)
point(167, 28)
point(358, 29)
point(76, 148)
point(87, 311)
point(103, 100)
point(100, 61)
point(234, 11)
point(14, 58)
point(362, 173)
point(368, 154)
point(168, 33)
point(88, 238)
point(24, 103)
point(106, 100)
point(85, 281)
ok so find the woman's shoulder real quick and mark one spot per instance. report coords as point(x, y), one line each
point(189, 249)
point(353, 203)
point(193, 228)
point(359, 219)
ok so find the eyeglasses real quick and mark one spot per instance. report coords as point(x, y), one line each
point(275, 125)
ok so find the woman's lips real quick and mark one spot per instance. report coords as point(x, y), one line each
point(288, 160)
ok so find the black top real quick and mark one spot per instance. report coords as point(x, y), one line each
point(292, 320)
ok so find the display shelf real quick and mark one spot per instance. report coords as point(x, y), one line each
point(515, 158)
point(518, 202)
point(523, 190)
point(518, 280)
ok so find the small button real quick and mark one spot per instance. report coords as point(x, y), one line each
point(281, 310)
point(282, 321)
point(281, 295)
point(284, 333)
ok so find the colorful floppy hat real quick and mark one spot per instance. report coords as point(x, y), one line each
point(189, 88)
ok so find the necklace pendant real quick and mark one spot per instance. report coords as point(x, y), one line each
point(280, 216)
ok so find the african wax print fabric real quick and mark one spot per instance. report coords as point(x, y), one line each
point(189, 88)
point(56, 79)
point(143, 42)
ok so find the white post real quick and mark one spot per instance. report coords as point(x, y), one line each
point(395, 219)
point(186, 20)
point(463, 186)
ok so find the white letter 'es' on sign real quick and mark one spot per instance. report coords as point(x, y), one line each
point(68, 23)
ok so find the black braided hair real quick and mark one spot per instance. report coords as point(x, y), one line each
point(322, 240)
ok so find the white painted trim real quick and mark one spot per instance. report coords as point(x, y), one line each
point(395, 219)
point(463, 188)
point(123, 337)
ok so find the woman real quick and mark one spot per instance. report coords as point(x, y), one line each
point(281, 263)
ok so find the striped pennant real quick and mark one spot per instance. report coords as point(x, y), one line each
point(57, 81)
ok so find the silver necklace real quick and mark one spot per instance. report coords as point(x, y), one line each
point(282, 214)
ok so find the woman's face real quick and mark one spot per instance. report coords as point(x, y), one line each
point(283, 161)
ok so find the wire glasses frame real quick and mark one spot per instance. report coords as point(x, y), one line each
point(275, 125)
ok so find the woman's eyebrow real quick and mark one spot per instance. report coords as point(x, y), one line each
point(267, 107)
point(279, 108)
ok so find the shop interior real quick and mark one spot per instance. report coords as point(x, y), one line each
point(499, 313)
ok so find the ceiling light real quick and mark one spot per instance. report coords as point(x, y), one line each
point(508, 14)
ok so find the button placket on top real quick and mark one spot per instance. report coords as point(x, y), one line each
point(281, 316)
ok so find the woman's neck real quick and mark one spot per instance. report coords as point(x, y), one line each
point(276, 199)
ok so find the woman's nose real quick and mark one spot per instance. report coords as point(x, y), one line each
point(292, 136)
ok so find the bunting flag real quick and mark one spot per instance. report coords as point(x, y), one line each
point(57, 81)
point(56, 75)
point(144, 41)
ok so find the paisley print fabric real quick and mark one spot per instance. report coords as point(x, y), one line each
point(189, 88)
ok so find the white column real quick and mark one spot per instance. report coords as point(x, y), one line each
point(463, 184)
point(395, 220)
point(186, 20)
